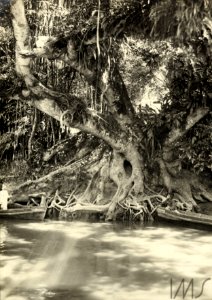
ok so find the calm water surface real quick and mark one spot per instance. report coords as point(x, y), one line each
point(62, 260)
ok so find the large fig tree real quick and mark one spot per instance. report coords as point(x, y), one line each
point(88, 91)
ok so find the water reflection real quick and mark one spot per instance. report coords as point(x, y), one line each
point(61, 260)
point(3, 235)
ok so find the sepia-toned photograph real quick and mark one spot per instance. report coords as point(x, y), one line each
point(105, 149)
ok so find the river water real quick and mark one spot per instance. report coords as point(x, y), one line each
point(77, 260)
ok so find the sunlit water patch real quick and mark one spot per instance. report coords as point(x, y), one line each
point(77, 260)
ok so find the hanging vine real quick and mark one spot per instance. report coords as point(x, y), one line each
point(34, 125)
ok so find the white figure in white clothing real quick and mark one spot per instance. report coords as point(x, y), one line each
point(3, 197)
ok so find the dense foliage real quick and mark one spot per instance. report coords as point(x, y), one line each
point(169, 62)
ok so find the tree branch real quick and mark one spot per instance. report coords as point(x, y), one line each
point(70, 57)
point(49, 101)
point(176, 133)
point(69, 53)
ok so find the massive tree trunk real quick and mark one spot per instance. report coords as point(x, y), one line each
point(184, 187)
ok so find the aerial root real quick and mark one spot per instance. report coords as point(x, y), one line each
point(123, 205)
point(143, 207)
point(134, 208)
